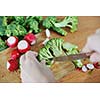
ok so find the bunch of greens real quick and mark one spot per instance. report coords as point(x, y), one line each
point(18, 26)
point(32, 23)
point(55, 48)
point(51, 22)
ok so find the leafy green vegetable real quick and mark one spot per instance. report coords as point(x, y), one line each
point(32, 22)
point(2, 45)
point(2, 25)
point(45, 54)
point(38, 18)
point(55, 45)
point(70, 21)
point(51, 22)
point(18, 26)
point(72, 49)
point(20, 19)
point(15, 29)
point(53, 48)
point(60, 31)
point(2, 30)
point(47, 23)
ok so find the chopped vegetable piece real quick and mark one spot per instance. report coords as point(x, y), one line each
point(72, 49)
point(30, 38)
point(12, 41)
point(15, 54)
point(23, 46)
point(12, 65)
point(84, 69)
point(47, 33)
point(90, 66)
point(97, 65)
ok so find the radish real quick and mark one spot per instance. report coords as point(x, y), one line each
point(12, 65)
point(23, 46)
point(84, 69)
point(12, 41)
point(97, 65)
point(90, 66)
point(30, 38)
point(78, 69)
point(15, 54)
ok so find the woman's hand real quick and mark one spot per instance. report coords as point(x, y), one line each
point(34, 71)
point(93, 44)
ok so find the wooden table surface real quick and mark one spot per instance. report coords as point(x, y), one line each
point(63, 71)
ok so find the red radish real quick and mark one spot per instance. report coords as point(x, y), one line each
point(90, 66)
point(12, 65)
point(30, 38)
point(12, 41)
point(23, 46)
point(15, 54)
point(84, 69)
point(96, 65)
point(78, 69)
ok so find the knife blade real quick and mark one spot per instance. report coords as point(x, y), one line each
point(73, 57)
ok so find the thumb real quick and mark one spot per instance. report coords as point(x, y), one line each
point(86, 49)
point(95, 57)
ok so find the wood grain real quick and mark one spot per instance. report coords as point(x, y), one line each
point(64, 72)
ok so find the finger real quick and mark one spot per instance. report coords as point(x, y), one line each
point(95, 57)
point(25, 77)
point(98, 31)
point(86, 49)
point(43, 62)
point(93, 43)
point(31, 53)
point(35, 53)
point(22, 60)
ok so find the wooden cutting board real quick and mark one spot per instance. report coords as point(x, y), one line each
point(63, 71)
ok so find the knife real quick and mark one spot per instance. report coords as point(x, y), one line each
point(73, 57)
